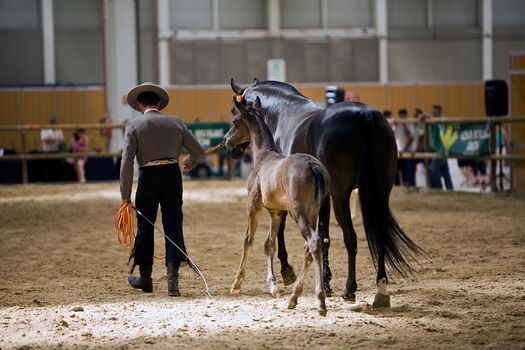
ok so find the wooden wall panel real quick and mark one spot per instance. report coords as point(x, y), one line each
point(37, 109)
point(36, 106)
point(95, 105)
point(517, 91)
point(517, 62)
point(430, 95)
point(478, 100)
point(459, 101)
point(172, 108)
point(193, 103)
point(401, 96)
point(374, 96)
point(10, 114)
point(220, 104)
point(314, 93)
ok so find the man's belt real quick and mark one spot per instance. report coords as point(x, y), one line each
point(161, 162)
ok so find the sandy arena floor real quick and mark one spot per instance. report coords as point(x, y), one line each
point(63, 277)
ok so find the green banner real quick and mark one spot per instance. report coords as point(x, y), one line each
point(209, 134)
point(464, 139)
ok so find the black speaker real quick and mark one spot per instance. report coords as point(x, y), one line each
point(496, 98)
point(333, 95)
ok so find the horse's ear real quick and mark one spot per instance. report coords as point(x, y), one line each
point(257, 103)
point(255, 81)
point(236, 87)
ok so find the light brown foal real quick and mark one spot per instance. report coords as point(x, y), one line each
point(296, 184)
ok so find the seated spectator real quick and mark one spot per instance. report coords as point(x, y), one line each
point(79, 144)
point(52, 139)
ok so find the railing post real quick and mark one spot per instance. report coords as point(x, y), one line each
point(427, 148)
point(24, 160)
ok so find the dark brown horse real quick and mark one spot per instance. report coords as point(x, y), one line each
point(297, 184)
point(357, 146)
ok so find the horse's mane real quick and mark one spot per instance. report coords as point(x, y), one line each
point(267, 137)
point(279, 87)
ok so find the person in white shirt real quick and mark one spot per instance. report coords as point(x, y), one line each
point(51, 138)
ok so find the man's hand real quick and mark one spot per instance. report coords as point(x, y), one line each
point(185, 165)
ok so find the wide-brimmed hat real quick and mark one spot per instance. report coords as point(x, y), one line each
point(134, 93)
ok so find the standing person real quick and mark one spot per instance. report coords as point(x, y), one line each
point(106, 134)
point(79, 144)
point(156, 140)
point(404, 138)
point(417, 145)
point(53, 138)
point(439, 167)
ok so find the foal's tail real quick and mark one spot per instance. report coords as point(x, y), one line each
point(320, 191)
point(385, 238)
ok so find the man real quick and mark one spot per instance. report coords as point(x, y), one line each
point(52, 139)
point(156, 140)
point(439, 166)
point(404, 138)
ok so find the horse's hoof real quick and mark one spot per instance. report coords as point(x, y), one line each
point(381, 301)
point(292, 304)
point(235, 290)
point(275, 293)
point(348, 297)
point(322, 312)
point(288, 275)
point(328, 290)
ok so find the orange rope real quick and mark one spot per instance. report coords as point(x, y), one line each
point(213, 149)
point(125, 227)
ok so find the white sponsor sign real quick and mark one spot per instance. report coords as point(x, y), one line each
point(276, 69)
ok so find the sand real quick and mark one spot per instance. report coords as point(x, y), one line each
point(63, 277)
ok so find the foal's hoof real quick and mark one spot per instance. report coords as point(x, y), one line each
point(288, 275)
point(322, 312)
point(381, 301)
point(292, 304)
point(235, 290)
point(349, 297)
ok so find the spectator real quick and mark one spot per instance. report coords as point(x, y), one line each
point(417, 145)
point(404, 138)
point(106, 134)
point(79, 145)
point(52, 139)
point(439, 167)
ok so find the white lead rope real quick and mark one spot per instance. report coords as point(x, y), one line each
point(193, 266)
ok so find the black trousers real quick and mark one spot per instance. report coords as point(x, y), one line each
point(161, 184)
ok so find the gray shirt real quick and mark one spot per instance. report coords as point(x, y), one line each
point(151, 137)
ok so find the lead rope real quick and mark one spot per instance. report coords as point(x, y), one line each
point(126, 231)
point(191, 263)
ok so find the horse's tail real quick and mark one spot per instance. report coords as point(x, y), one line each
point(319, 182)
point(383, 233)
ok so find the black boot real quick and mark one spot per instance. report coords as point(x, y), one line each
point(173, 279)
point(143, 282)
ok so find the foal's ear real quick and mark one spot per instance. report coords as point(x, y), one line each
point(240, 106)
point(236, 87)
point(255, 81)
point(257, 103)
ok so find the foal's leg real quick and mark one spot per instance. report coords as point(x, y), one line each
point(312, 253)
point(324, 233)
point(269, 249)
point(343, 216)
point(254, 209)
point(286, 269)
point(298, 286)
